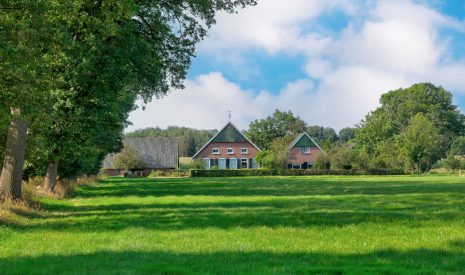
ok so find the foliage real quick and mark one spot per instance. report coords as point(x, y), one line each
point(346, 134)
point(77, 67)
point(342, 157)
point(279, 150)
point(322, 162)
point(198, 164)
point(281, 124)
point(266, 159)
point(387, 155)
point(156, 174)
point(388, 134)
point(451, 162)
point(128, 159)
point(421, 143)
point(458, 146)
point(291, 172)
point(322, 134)
point(185, 163)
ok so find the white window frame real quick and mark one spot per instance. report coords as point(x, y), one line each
point(296, 166)
point(244, 151)
point(304, 151)
point(246, 161)
point(230, 151)
point(223, 160)
point(217, 151)
point(235, 162)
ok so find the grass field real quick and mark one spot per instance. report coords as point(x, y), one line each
point(325, 225)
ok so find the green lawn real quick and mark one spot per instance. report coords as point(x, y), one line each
point(325, 225)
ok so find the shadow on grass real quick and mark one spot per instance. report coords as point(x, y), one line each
point(300, 212)
point(422, 261)
point(405, 200)
point(269, 186)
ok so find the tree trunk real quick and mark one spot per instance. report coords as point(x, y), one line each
point(51, 176)
point(12, 171)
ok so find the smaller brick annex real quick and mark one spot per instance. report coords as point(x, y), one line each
point(303, 152)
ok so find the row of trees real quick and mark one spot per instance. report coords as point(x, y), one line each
point(413, 129)
point(72, 71)
point(283, 124)
point(263, 132)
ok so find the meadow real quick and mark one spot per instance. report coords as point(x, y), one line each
point(253, 225)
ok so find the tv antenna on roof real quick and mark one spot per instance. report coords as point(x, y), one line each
point(230, 115)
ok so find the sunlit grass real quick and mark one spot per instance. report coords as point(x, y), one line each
point(397, 224)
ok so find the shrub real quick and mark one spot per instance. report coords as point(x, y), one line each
point(185, 166)
point(322, 162)
point(198, 164)
point(156, 174)
point(292, 172)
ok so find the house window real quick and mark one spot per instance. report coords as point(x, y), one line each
point(305, 150)
point(230, 151)
point(216, 151)
point(244, 163)
point(296, 166)
point(244, 151)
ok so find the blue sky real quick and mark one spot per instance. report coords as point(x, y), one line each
point(327, 61)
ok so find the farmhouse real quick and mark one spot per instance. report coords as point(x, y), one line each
point(229, 149)
point(157, 153)
point(303, 152)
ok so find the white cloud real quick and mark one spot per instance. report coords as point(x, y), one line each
point(395, 44)
point(203, 104)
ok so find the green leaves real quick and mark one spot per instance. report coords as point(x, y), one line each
point(421, 143)
point(418, 123)
point(264, 131)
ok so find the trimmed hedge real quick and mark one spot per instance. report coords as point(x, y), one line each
point(291, 172)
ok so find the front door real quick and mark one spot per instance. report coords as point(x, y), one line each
point(233, 163)
point(206, 163)
point(222, 163)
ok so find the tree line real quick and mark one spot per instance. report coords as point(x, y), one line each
point(414, 129)
point(261, 131)
point(71, 71)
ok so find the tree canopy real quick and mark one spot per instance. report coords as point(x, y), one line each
point(75, 69)
point(281, 124)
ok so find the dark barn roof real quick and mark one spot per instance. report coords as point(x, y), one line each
point(228, 134)
point(157, 153)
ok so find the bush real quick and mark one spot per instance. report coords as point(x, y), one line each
point(198, 164)
point(185, 166)
point(156, 174)
point(322, 162)
point(292, 172)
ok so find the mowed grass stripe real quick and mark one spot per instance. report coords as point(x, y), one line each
point(398, 224)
